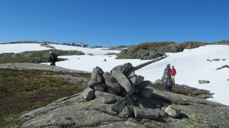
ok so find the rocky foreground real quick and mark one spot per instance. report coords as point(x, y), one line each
point(131, 108)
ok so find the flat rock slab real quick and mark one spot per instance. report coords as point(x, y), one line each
point(69, 115)
point(126, 124)
point(111, 82)
point(165, 95)
point(30, 66)
point(145, 113)
point(107, 98)
point(123, 81)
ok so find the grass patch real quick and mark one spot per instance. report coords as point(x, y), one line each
point(179, 102)
point(24, 90)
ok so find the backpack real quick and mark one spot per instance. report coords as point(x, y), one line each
point(170, 83)
point(55, 57)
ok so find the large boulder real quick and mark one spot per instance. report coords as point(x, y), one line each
point(121, 104)
point(107, 98)
point(99, 87)
point(146, 93)
point(143, 84)
point(128, 111)
point(124, 68)
point(111, 82)
point(123, 81)
point(95, 78)
point(145, 113)
point(137, 79)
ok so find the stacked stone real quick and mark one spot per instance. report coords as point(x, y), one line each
point(125, 90)
point(166, 74)
point(121, 81)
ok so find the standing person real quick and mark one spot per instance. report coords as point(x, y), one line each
point(173, 73)
point(169, 85)
point(166, 74)
point(52, 58)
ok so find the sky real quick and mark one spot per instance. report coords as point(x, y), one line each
point(191, 65)
point(114, 22)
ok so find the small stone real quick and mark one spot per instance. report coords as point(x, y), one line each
point(172, 111)
point(88, 94)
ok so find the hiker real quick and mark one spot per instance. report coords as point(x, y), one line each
point(52, 58)
point(166, 74)
point(169, 85)
point(173, 73)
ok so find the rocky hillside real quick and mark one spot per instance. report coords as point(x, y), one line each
point(123, 99)
point(152, 50)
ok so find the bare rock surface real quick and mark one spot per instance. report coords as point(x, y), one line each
point(126, 110)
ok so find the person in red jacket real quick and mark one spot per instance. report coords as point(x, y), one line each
point(173, 73)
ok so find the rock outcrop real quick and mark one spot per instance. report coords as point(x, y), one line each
point(135, 105)
point(153, 50)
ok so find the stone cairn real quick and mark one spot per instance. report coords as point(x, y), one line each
point(166, 74)
point(121, 87)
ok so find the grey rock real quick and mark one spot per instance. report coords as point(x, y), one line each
point(174, 48)
point(111, 82)
point(223, 59)
point(137, 79)
point(134, 98)
point(173, 112)
point(128, 111)
point(123, 81)
point(143, 84)
point(52, 127)
point(153, 55)
point(60, 100)
point(99, 87)
point(146, 93)
point(121, 104)
point(126, 124)
point(112, 91)
point(138, 90)
point(124, 68)
point(99, 70)
point(123, 92)
point(148, 102)
point(130, 73)
point(209, 60)
point(167, 96)
point(67, 116)
point(217, 59)
point(203, 81)
point(107, 98)
point(88, 94)
point(95, 78)
point(145, 113)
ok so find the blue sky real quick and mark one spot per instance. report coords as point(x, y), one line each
point(114, 22)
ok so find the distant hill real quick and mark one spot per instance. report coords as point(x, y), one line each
point(152, 50)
